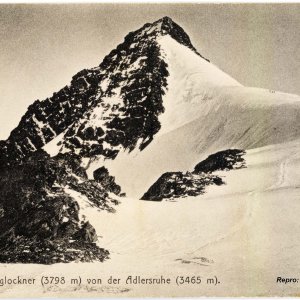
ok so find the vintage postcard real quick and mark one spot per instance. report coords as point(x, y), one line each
point(149, 150)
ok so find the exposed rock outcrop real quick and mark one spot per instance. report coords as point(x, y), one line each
point(39, 220)
point(108, 182)
point(222, 161)
point(177, 184)
point(173, 185)
point(112, 107)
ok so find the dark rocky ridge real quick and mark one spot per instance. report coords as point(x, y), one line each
point(104, 109)
point(44, 120)
point(172, 185)
point(222, 161)
point(134, 72)
point(40, 220)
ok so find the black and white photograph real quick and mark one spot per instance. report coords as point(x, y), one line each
point(149, 150)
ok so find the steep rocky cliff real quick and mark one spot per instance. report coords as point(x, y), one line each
point(112, 107)
point(40, 219)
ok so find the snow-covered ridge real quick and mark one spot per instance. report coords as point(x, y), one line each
point(132, 76)
point(155, 97)
point(192, 82)
point(205, 111)
point(154, 105)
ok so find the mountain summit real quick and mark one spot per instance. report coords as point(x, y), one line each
point(153, 106)
point(164, 26)
point(133, 76)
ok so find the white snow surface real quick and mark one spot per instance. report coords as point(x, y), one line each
point(54, 146)
point(192, 80)
point(205, 111)
point(245, 232)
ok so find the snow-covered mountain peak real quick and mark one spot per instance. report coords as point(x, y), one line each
point(162, 27)
point(153, 106)
point(151, 84)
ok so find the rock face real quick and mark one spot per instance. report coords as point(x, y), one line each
point(173, 185)
point(87, 233)
point(40, 219)
point(114, 106)
point(222, 161)
point(102, 176)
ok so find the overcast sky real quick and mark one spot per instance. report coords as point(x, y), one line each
point(43, 46)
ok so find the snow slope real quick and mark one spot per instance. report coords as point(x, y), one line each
point(205, 111)
point(192, 81)
point(245, 232)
